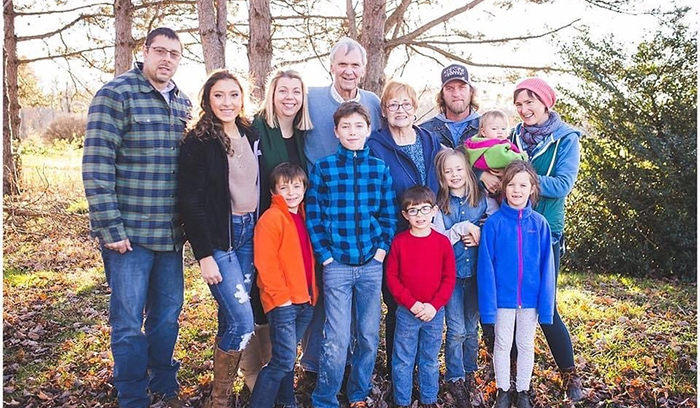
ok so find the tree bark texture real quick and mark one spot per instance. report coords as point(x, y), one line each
point(124, 44)
point(259, 45)
point(10, 105)
point(372, 38)
point(212, 32)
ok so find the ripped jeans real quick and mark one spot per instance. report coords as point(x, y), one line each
point(233, 292)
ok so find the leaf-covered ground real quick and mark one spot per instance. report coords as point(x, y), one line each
point(635, 339)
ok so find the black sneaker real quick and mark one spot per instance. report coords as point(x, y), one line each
point(502, 399)
point(523, 400)
point(459, 393)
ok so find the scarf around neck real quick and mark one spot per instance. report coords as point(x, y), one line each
point(533, 135)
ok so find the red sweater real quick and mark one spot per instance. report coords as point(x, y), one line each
point(421, 269)
point(279, 260)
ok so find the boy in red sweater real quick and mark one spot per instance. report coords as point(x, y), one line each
point(287, 283)
point(420, 273)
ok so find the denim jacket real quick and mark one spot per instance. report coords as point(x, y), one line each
point(460, 210)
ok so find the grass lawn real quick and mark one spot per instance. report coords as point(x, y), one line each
point(635, 339)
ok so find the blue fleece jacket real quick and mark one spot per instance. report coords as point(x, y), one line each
point(350, 209)
point(516, 265)
point(320, 141)
point(404, 171)
point(556, 160)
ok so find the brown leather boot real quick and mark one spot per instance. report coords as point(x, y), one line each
point(225, 371)
point(572, 383)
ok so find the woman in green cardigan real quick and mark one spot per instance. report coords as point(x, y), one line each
point(281, 124)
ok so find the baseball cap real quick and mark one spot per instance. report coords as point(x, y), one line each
point(454, 71)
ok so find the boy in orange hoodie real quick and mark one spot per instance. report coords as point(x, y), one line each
point(286, 278)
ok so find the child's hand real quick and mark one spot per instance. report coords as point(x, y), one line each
point(417, 308)
point(380, 255)
point(427, 313)
point(472, 236)
point(210, 271)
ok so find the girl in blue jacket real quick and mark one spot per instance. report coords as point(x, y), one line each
point(515, 279)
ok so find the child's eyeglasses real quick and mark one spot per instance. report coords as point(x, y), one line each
point(425, 210)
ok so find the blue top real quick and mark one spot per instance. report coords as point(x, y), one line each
point(516, 264)
point(439, 125)
point(460, 210)
point(556, 160)
point(404, 171)
point(320, 141)
point(350, 209)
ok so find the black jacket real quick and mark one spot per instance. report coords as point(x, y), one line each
point(204, 197)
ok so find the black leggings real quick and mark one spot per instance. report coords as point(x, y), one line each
point(557, 335)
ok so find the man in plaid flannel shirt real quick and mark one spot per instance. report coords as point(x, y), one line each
point(135, 124)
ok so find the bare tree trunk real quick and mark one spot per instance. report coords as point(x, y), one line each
point(212, 32)
point(124, 47)
point(259, 45)
point(10, 105)
point(352, 20)
point(372, 38)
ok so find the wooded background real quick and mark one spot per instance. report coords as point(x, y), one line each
point(634, 207)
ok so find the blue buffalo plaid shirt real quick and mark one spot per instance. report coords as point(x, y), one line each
point(130, 159)
point(350, 210)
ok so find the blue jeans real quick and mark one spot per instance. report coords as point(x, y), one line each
point(235, 313)
point(152, 282)
point(350, 291)
point(410, 333)
point(276, 379)
point(312, 340)
point(462, 338)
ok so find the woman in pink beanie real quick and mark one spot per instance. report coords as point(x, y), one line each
point(553, 149)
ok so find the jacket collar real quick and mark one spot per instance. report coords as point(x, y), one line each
point(511, 212)
point(278, 202)
point(349, 155)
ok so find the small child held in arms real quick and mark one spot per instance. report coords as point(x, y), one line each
point(420, 274)
point(491, 150)
point(351, 221)
point(515, 277)
point(287, 283)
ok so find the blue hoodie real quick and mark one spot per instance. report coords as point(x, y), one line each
point(556, 160)
point(516, 264)
point(404, 172)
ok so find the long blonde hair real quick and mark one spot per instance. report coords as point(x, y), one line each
point(472, 191)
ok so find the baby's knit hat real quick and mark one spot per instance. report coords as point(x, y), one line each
point(539, 88)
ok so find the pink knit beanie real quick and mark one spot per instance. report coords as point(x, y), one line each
point(539, 88)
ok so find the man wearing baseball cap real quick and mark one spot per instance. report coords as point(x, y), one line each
point(458, 119)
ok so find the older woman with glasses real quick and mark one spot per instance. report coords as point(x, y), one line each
point(410, 152)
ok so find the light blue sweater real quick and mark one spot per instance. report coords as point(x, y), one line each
point(320, 141)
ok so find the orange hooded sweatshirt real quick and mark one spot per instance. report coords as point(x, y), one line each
point(278, 258)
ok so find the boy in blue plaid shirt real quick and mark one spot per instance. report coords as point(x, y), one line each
point(351, 221)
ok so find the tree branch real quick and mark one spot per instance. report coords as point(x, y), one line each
point(425, 27)
point(60, 30)
point(43, 13)
point(396, 17)
point(475, 64)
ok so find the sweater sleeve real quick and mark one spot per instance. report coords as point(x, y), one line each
point(105, 129)
point(191, 191)
point(486, 275)
point(317, 222)
point(448, 276)
point(545, 302)
point(561, 181)
point(267, 242)
point(400, 292)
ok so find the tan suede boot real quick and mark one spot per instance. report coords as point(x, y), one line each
point(225, 371)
